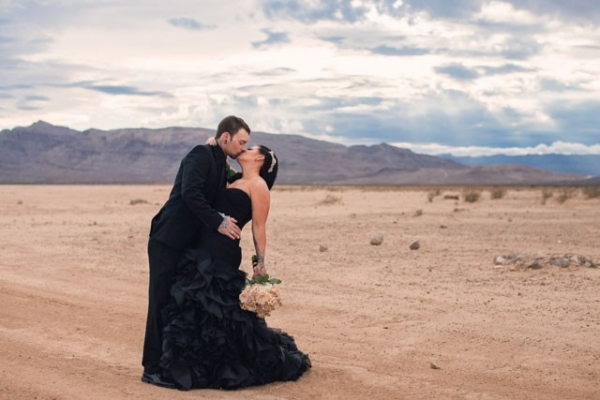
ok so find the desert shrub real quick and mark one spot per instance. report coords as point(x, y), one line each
point(451, 197)
point(471, 195)
point(137, 201)
point(565, 194)
point(546, 195)
point(330, 200)
point(498, 193)
point(433, 194)
point(591, 192)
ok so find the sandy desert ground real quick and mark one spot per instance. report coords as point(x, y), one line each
point(379, 322)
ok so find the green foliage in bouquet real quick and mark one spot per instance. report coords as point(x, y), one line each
point(261, 279)
point(231, 173)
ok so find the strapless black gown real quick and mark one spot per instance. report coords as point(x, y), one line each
point(208, 340)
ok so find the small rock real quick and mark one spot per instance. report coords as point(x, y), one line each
point(323, 247)
point(415, 245)
point(137, 201)
point(560, 262)
point(582, 261)
point(535, 264)
point(501, 260)
point(507, 259)
point(434, 365)
point(377, 240)
point(443, 227)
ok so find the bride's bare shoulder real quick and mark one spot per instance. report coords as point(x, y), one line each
point(258, 188)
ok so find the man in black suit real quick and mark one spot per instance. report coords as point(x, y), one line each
point(178, 224)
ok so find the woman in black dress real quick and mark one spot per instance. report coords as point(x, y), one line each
point(208, 340)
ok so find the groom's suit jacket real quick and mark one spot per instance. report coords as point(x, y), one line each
point(200, 177)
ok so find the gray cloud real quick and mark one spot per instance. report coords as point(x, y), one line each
point(275, 72)
point(580, 119)
point(34, 97)
point(338, 40)
point(190, 24)
point(16, 86)
point(504, 69)
point(399, 51)
point(344, 10)
point(121, 90)
point(272, 38)
point(583, 10)
point(28, 107)
point(316, 11)
point(458, 71)
point(443, 8)
point(520, 48)
point(554, 85)
point(12, 46)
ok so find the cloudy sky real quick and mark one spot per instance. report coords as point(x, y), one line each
point(436, 76)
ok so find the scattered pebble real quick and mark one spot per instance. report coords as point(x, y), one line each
point(377, 240)
point(581, 260)
point(516, 260)
point(535, 264)
point(562, 262)
point(323, 247)
point(137, 201)
point(415, 245)
point(434, 366)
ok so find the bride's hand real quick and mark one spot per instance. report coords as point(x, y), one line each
point(259, 270)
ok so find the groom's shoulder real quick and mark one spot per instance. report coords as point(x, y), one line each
point(201, 150)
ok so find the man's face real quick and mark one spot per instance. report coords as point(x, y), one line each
point(237, 143)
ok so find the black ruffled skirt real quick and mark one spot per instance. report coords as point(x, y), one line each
point(210, 342)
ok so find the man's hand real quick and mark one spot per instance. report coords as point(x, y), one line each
point(229, 228)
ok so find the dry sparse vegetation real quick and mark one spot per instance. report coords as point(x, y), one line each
point(566, 193)
point(471, 195)
point(137, 201)
point(591, 192)
point(498, 193)
point(330, 200)
point(546, 195)
point(433, 194)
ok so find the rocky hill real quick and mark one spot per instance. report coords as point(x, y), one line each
point(45, 153)
point(580, 164)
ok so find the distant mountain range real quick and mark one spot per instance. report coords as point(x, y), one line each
point(45, 153)
point(587, 165)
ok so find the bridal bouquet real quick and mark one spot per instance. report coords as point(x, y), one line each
point(260, 295)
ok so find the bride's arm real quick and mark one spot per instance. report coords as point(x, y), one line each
point(261, 201)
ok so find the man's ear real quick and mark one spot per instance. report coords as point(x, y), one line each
point(226, 137)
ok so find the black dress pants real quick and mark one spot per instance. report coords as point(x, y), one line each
point(163, 261)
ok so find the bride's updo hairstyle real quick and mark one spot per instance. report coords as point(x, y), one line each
point(268, 171)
